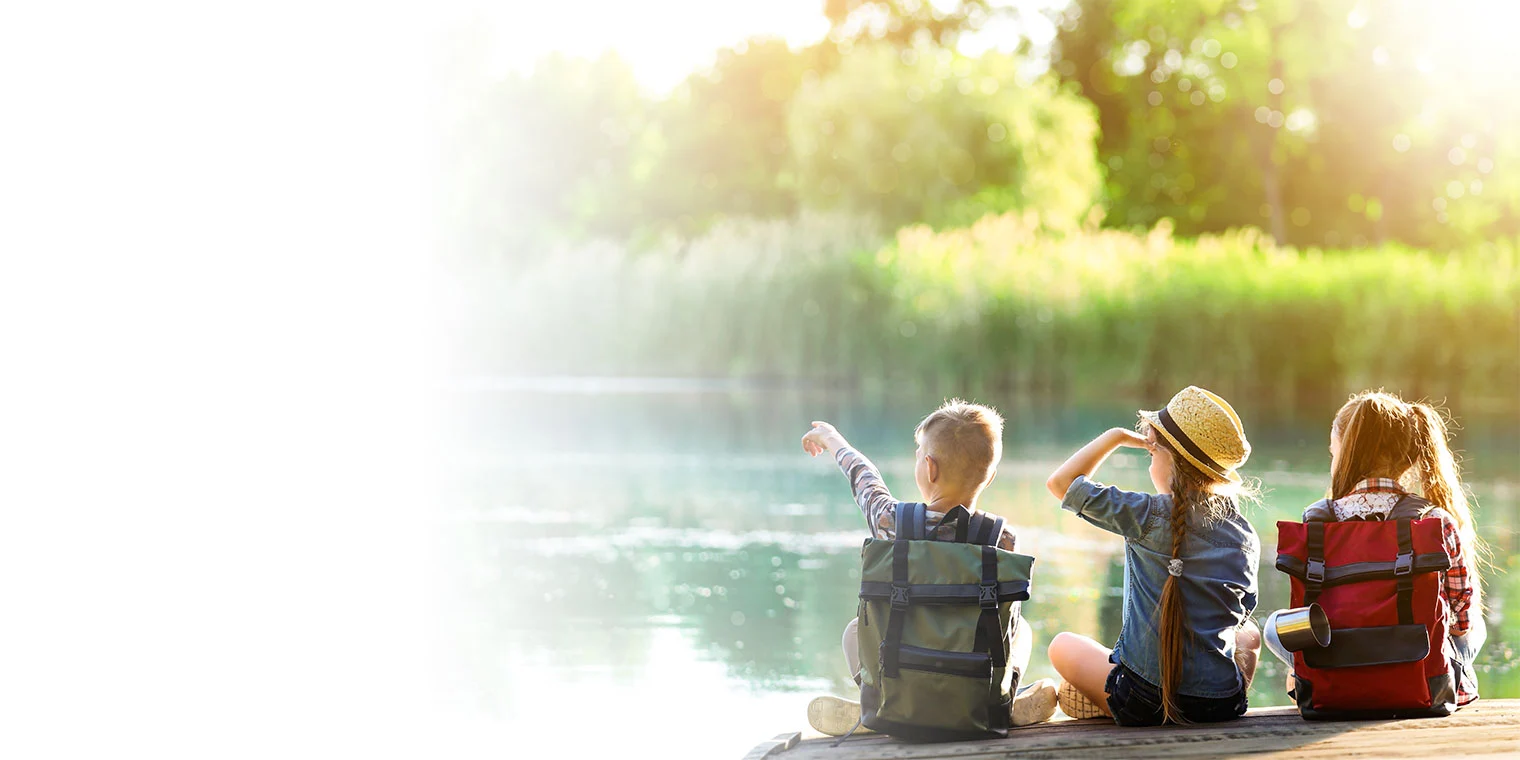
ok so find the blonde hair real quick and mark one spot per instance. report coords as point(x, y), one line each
point(1383, 436)
point(965, 439)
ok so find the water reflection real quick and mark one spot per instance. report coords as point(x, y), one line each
point(677, 548)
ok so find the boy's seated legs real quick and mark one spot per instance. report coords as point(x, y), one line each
point(835, 716)
point(1034, 702)
point(851, 645)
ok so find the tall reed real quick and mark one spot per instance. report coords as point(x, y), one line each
point(1001, 305)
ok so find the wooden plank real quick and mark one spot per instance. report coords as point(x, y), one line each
point(769, 748)
point(1489, 728)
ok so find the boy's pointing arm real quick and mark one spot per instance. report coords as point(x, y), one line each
point(871, 494)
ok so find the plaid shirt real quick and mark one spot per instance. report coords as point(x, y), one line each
point(880, 509)
point(1377, 496)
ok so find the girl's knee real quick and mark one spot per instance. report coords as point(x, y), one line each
point(1057, 644)
point(1063, 646)
point(1248, 637)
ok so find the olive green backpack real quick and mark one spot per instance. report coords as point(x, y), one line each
point(936, 622)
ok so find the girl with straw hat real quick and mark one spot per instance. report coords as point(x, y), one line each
point(1187, 649)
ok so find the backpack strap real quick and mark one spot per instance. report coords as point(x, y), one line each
point(1319, 511)
point(891, 643)
point(910, 527)
point(1409, 507)
point(918, 520)
point(989, 633)
point(1314, 568)
point(1403, 571)
point(910, 521)
point(962, 519)
point(974, 527)
point(1315, 517)
point(992, 531)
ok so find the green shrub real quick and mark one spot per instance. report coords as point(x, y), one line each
point(912, 134)
point(1002, 304)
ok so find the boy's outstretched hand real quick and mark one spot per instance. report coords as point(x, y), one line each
point(823, 437)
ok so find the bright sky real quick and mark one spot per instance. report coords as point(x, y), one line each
point(663, 40)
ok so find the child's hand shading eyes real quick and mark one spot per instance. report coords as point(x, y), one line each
point(1126, 437)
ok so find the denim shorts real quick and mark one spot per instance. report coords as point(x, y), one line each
point(1135, 702)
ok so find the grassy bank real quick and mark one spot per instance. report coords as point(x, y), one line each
point(998, 305)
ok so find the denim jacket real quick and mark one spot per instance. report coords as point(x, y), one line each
point(1218, 583)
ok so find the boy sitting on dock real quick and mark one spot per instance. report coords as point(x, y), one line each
point(959, 446)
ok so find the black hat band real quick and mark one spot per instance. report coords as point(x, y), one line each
point(1165, 418)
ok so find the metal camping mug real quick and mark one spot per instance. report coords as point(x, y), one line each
point(1302, 627)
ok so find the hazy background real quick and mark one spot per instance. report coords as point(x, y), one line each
point(677, 233)
point(426, 380)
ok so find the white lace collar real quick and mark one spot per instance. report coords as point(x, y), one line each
point(1372, 498)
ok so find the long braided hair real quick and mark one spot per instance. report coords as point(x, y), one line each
point(1197, 497)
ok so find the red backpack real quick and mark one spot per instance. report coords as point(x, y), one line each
point(1379, 582)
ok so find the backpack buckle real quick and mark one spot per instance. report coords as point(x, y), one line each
point(899, 597)
point(1315, 573)
point(1403, 564)
point(988, 598)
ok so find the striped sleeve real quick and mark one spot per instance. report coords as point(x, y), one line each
point(871, 494)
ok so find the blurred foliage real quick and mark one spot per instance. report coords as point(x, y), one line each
point(1339, 123)
point(723, 145)
point(1327, 122)
point(914, 134)
point(905, 22)
point(739, 224)
point(1005, 305)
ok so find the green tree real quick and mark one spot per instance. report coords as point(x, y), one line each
point(1322, 121)
point(722, 141)
point(917, 134)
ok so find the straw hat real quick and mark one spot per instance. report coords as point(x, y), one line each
point(1203, 428)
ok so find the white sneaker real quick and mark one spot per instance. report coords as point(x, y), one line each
point(835, 716)
point(1076, 704)
point(1034, 703)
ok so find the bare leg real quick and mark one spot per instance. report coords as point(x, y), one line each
point(837, 716)
point(1035, 701)
point(1247, 649)
point(1084, 664)
point(1023, 645)
point(851, 646)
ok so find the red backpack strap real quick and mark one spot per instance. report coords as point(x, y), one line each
point(1315, 518)
point(1403, 571)
point(1408, 509)
point(1314, 567)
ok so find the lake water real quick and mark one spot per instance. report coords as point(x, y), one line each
point(659, 564)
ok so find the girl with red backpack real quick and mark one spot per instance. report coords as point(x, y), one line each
point(1403, 637)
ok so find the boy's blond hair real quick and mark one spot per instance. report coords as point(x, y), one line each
point(965, 439)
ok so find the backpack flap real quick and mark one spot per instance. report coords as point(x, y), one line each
point(1378, 645)
point(934, 632)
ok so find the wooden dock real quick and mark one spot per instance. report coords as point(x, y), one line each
point(1486, 729)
